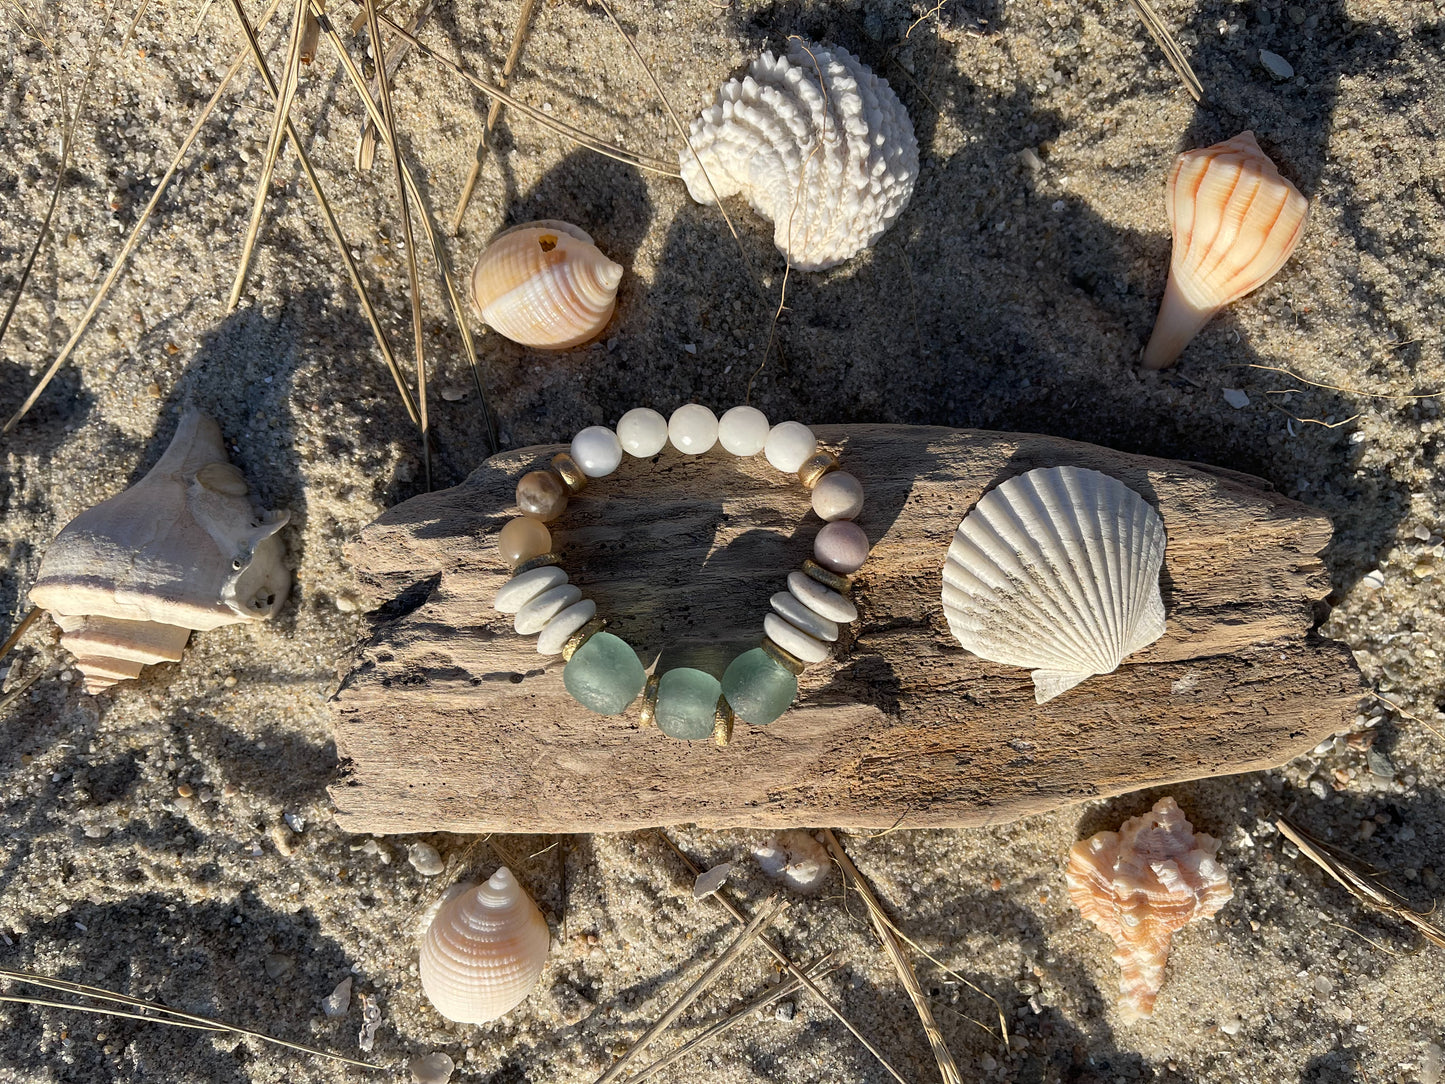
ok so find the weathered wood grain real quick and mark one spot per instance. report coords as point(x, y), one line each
point(450, 721)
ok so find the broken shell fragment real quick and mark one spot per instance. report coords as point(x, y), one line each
point(1140, 885)
point(816, 143)
point(545, 285)
point(483, 950)
point(1235, 222)
point(182, 549)
point(1056, 570)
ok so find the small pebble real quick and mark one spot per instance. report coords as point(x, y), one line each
point(278, 966)
point(338, 1001)
point(425, 859)
point(454, 395)
point(1432, 1064)
point(1276, 65)
point(283, 840)
point(709, 882)
point(185, 790)
point(785, 1010)
point(434, 1068)
point(370, 1021)
point(1373, 580)
point(1231, 1026)
point(1236, 398)
point(294, 821)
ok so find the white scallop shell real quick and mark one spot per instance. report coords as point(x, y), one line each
point(816, 143)
point(484, 950)
point(1056, 570)
point(545, 285)
point(182, 549)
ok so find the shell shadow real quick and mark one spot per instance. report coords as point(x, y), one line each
point(210, 962)
point(546, 396)
point(1000, 300)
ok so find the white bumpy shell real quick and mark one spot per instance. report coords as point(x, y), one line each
point(1056, 570)
point(830, 161)
point(484, 950)
point(545, 285)
point(181, 549)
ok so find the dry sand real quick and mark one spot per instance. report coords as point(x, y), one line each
point(1013, 294)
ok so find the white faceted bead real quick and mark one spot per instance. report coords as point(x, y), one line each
point(743, 430)
point(533, 617)
point(642, 432)
point(794, 640)
point(520, 590)
point(820, 599)
point(789, 446)
point(814, 624)
point(597, 451)
point(838, 495)
point(692, 429)
point(560, 629)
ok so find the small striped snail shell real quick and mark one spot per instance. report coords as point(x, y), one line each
point(484, 950)
point(1235, 221)
point(545, 285)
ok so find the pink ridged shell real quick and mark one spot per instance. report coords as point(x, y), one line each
point(1141, 884)
point(484, 950)
point(545, 285)
point(1235, 222)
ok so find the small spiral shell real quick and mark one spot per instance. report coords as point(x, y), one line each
point(545, 285)
point(484, 950)
point(1235, 221)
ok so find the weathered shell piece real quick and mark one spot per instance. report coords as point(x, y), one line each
point(1235, 222)
point(816, 143)
point(181, 549)
point(1056, 570)
point(1140, 885)
point(545, 285)
point(484, 950)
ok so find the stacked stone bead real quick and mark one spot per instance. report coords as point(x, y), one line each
point(603, 672)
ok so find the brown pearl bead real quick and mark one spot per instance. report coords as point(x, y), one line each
point(542, 495)
point(522, 539)
point(841, 546)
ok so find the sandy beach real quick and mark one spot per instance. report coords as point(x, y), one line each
point(172, 838)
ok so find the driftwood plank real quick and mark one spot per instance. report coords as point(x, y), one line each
point(450, 721)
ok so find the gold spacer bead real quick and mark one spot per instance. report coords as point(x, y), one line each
point(783, 658)
point(581, 636)
point(647, 716)
point(811, 472)
point(722, 722)
point(827, 577)
point(570, 473)
point(543, 561)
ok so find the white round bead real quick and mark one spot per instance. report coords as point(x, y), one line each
point(533, 617)
point(520, 590)
point(820, 599)
point(560, 629)
point(838, 495)
point(789, 446)
point(793, 640)
point(597, 451)
point(642, 432)
point(815, 625)
point(743, 430)
point(692, 429)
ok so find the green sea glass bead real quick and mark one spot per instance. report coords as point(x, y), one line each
point(686, 703)
point(604, 675)
point(757, 688)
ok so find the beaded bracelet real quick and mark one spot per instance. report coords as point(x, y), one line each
point(603, 673)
